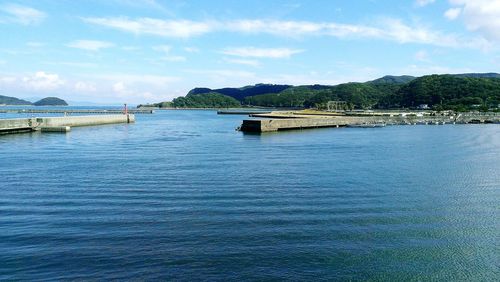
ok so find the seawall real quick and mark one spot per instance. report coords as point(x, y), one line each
point(32, 124)
point(296, 122)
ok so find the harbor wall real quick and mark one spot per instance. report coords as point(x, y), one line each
point(284, 123)
point(85, 120)
point(32, 124)
point(17, 124)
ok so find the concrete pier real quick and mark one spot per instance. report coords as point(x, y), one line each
point(74, 111)
point(282, 122)
point(17, 125)
point(269, 125)
point(32, 124)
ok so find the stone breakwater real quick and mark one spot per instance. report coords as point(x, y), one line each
point(32, 124)
point(286, 122)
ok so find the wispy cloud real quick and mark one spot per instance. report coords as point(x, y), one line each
point(22, 14)
point(391, 29)
point(252, 63)
point(166, 28)
point(90, 45)
point(254, 52)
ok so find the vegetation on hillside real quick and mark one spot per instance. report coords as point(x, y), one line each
point(51, 101)
point(208, 100)
point(392, 79)
point(6, 100)
point(241, 93)
point(448, 92)
point(457, 92)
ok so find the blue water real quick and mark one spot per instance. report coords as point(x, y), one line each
point(181, 195)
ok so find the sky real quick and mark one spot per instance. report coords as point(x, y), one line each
point(142, 51)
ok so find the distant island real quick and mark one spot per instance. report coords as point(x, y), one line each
point(458, 92)
point(48, 101)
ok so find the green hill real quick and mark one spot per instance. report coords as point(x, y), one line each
point(392, 79)
point(478, 75)
point(51, 101)
point(241, 93)
point(456, 91)
point(449, 92)
point(6, 100)
point(207, 100)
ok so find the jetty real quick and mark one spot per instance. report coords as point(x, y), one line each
point(278, 121)
point(60, 124)
point(77, 111)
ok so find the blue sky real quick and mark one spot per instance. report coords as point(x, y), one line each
point(136, 51)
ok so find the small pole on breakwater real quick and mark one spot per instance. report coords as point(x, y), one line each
point(125, 112)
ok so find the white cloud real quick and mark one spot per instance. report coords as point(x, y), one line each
point(390, 29)
point(22, 14)
point(482, 16)
point(386, 28)
point(43, 81)
point(254, 52)
point(167, 28)
point(422, 3)
point(90, 45)
point(252, 63)
point(111, 88)
point(452, 13)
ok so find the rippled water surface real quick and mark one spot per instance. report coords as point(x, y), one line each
point(182, 195)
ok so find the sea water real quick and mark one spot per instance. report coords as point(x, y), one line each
point(181, 195)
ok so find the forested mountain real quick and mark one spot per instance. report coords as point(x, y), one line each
point(6, 100)
point(240, 93)
point(392, 79)
point(51, 101)
point(207, 100)
point(448, 92)
point(479, 75)
point(456, 91)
